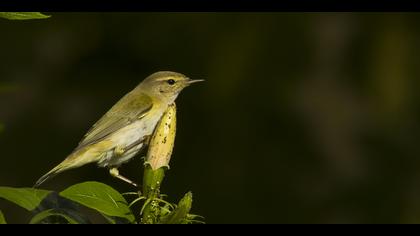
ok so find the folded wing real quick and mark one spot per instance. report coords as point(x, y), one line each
point(130, 108)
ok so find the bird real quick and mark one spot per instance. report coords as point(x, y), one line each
point(126, 128)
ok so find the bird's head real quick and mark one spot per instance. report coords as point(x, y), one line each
point(165, 85)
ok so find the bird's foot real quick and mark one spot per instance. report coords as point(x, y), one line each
point(119, 151)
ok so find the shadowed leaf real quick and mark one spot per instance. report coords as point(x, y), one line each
point(62, 205)
point(51, 212)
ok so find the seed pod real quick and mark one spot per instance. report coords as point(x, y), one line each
point(162, 141)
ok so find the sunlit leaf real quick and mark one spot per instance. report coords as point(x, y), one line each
point(100, 197)
point(51, 212)
point(23, 15)
point(28, 198)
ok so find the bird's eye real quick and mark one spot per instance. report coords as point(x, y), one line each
point(171, 81)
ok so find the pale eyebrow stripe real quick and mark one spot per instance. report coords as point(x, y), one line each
point(169, 77)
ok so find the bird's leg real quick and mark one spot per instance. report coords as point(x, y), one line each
point(115, 173)
point(119, 151)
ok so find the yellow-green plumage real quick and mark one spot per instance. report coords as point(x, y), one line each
point(125, 129)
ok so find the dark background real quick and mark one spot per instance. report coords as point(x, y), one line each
point(303, 118)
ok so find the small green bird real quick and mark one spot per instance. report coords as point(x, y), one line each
point(127, 127)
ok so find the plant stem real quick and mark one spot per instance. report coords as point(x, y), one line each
point(152, 180)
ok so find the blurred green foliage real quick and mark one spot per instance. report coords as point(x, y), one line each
point(2, 219)
point(22, 15)
point(303, 118)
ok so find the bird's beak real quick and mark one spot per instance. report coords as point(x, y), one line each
point(191, 81)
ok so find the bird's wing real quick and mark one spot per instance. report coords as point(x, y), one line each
point(130, 108)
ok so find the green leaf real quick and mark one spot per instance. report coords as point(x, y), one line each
point(180, 213)
point(100, 197)
point(51, 212)
point(23, 15)
point(28, 198)
point(2, 220)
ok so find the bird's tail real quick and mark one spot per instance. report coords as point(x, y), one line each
point(78, 158)
point(49, 175)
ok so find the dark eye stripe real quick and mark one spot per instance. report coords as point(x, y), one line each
point(171, 81)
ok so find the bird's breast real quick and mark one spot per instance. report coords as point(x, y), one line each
point(138, 129)
point(131, 134)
